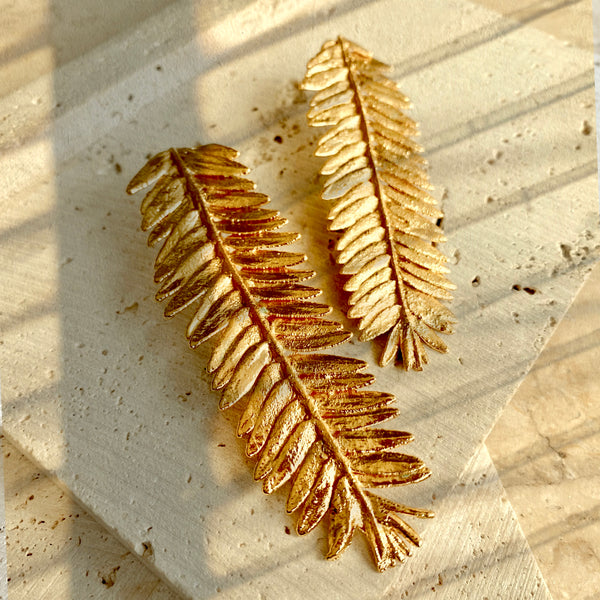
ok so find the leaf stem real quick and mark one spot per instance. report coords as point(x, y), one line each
point(385, 216)
point(198, 198)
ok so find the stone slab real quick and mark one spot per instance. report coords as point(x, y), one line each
point(3, 556)
point(484, 552)
point(92, 391)
point(58, 551)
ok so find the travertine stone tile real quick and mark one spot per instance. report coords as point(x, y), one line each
point(127, 422)
point(58, 551)
point(546, 447)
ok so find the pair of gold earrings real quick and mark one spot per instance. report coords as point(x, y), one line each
point(305, 414)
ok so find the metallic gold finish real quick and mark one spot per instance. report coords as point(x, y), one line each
point(376, 177)
point(306, 417)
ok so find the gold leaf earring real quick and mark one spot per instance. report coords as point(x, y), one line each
point(305, 415)
point(387, 219)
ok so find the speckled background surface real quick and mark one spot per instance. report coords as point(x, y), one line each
point(87, 316)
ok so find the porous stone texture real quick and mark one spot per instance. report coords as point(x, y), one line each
point(484, 551)
point(546, 447)
point(59, 551)
point(3, 555)
point(104, 394)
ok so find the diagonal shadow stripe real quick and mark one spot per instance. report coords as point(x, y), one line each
point(526, 194)
point(556, 93)
point(503, 26)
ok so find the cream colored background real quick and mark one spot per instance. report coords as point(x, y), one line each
point(551, 476)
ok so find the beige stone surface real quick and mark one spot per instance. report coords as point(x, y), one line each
point(567, 20)
point(3, 558)
point(58, 551)
point(79, 351)
point(546, 447)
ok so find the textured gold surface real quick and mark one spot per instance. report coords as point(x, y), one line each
point(377, 179)
point(306, 417)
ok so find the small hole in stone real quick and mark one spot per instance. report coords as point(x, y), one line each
point(586, 128)
point(476, 281)
point(529, 290)
point(517, 287)
point(278, 139)
point(148, 550)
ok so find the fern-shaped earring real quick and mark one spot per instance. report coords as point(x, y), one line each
point(305, 415)
point(396, 274)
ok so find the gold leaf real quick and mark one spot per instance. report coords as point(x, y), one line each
point(370, 441)
point(289, 419)
point(383, 208)
point(340, 383)
point(291, 456)
point(306, 476)
point(352, 422)
point(318, 500)
point(262, 260)
point(216, 318)
point(306, 416)
point(155, 168)
point(244, 341)
point(325, 365)
point(276, 401)
point(269, 376)
point(249, 367)
point(237, 200)
point(239, 321)
point(386, 468)
point(355, 402)
point(344, 516)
